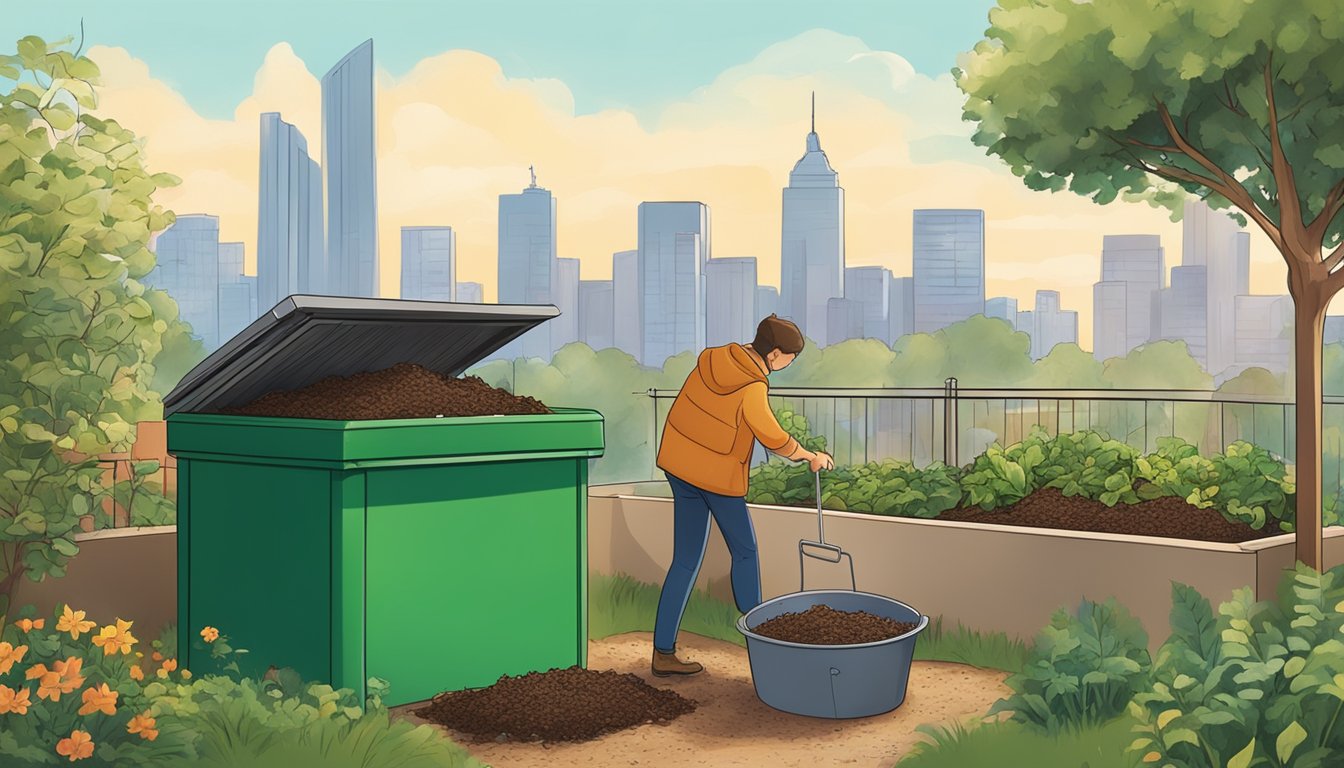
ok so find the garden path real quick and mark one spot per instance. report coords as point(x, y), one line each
point(731, 727)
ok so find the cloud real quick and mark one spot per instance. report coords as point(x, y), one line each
point(455, 132)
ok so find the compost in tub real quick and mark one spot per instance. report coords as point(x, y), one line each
point(831, 653)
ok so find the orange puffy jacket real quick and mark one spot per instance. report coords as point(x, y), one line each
point(721, 410)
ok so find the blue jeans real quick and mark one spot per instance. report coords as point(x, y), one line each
point(692, 507)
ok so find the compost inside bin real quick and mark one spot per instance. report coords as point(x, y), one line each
point(823, 625)
point(404, 391)
point(573, 704)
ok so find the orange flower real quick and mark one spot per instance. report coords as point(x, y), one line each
point(77, 746)
point(186, 674)
point(143, 724)
point(28, 625)
point(100, 699)
point(63, 677)
point(210, 634)
point(137, 673)
point(74, 623)
point(9, 656)
point(156, 656)
point(113, 639)
point(170, 664)
point(14, 701)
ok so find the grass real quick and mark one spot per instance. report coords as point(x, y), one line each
point(1001, 744)
point(619, 604)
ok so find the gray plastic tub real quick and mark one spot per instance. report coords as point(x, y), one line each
point(833, 681)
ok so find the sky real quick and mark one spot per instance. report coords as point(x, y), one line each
point(615, 103)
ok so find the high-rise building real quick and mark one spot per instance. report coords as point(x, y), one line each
point(1264, 332)
point(527, 260)
point(1213, 240)
point(291, 258)
point(187, 269)
point(1053, 325)
point(565, 297)
point(901, 307)
point(627, 304)
point(470, 293)
point(871, 288)
point(237, 292)
point(767, 303)
point(1110, 316)
point(812, 249)
point(1133, 267)
point(1004, 308)
point(949, 267)
point(730, 301)
point(352, 177)
point(429, 263)
point(597, 312)
point(1181, 311)
point(844, 320)
point(674, 244)
point(1026, 323)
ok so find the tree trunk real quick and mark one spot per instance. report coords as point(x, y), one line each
point(1309, 322)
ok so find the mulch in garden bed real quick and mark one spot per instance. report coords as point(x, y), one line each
point(823, 625)
point(404, 391)
point(573, 704)
point(1169, 516)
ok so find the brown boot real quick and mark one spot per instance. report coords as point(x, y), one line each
point(665, 664)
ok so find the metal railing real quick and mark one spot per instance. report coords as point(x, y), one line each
point(953, 424)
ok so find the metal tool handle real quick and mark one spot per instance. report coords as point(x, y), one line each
point(836, 552)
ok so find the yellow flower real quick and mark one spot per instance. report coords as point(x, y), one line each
point(14, 701)
point(143, 724)
point(210, 634)
point(113, 639)
point(9, 656)
point(28, 625)
point(63, 677)
point(78, 745)
point(100, 699)
point(74, 623)
point(186, 674)
point(137, 673)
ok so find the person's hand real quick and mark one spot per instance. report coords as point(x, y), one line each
point(821, 460)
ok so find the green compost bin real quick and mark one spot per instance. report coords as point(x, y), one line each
point(436, 554)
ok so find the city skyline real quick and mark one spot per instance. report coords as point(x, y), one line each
point(453, 133)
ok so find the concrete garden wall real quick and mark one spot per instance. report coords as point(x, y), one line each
point(128, 573)
point(990, 578)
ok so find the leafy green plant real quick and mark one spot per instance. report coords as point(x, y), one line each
point(1083, 671)
point(1091, 465)
point(883, 488)
point(796, 425)
point(1000, 477)
point(1260, 683)
point(1254, 486)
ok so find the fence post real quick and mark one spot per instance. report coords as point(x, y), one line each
point(950, 430)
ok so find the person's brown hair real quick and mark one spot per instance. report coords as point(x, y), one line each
point(776, 333)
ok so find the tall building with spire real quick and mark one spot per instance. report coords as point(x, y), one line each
point(352, 177)
point(527, 259)
point(812, 247)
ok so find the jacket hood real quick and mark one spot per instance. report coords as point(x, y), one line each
point(729, 368)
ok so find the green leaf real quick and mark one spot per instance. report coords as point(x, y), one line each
point(1243, 758)
point(1288, 741)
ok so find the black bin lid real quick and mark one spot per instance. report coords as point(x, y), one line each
point(304, 339)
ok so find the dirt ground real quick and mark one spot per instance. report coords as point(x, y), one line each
point(731, 727)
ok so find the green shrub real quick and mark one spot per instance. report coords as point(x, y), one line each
point(1083, 671)
point(1261, 683)
point(1091, 465)
point(796, 425)
point(1254, 487)
point(883, 488)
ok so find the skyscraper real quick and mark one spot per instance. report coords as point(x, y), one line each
point(188, 270)
point(237, 292)
point(949, 267)
point(812, 248)
point(597, 312)
point(527, 259)
point(1110, 318)
point(1264, 332)
point(565, 297)
point(290, 254)
point(844, 320)
point(901, 307)
point(1133, 270)
point(1181, 311)
point(871, 288)
point(1212, 240)
point(627, 304)
point(470, 293)
point(429, 263)
point(674, 244)
point(352, 177)
point(1004, 308)
point(730, 301)
point(767, 302)
point(1053, 325)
